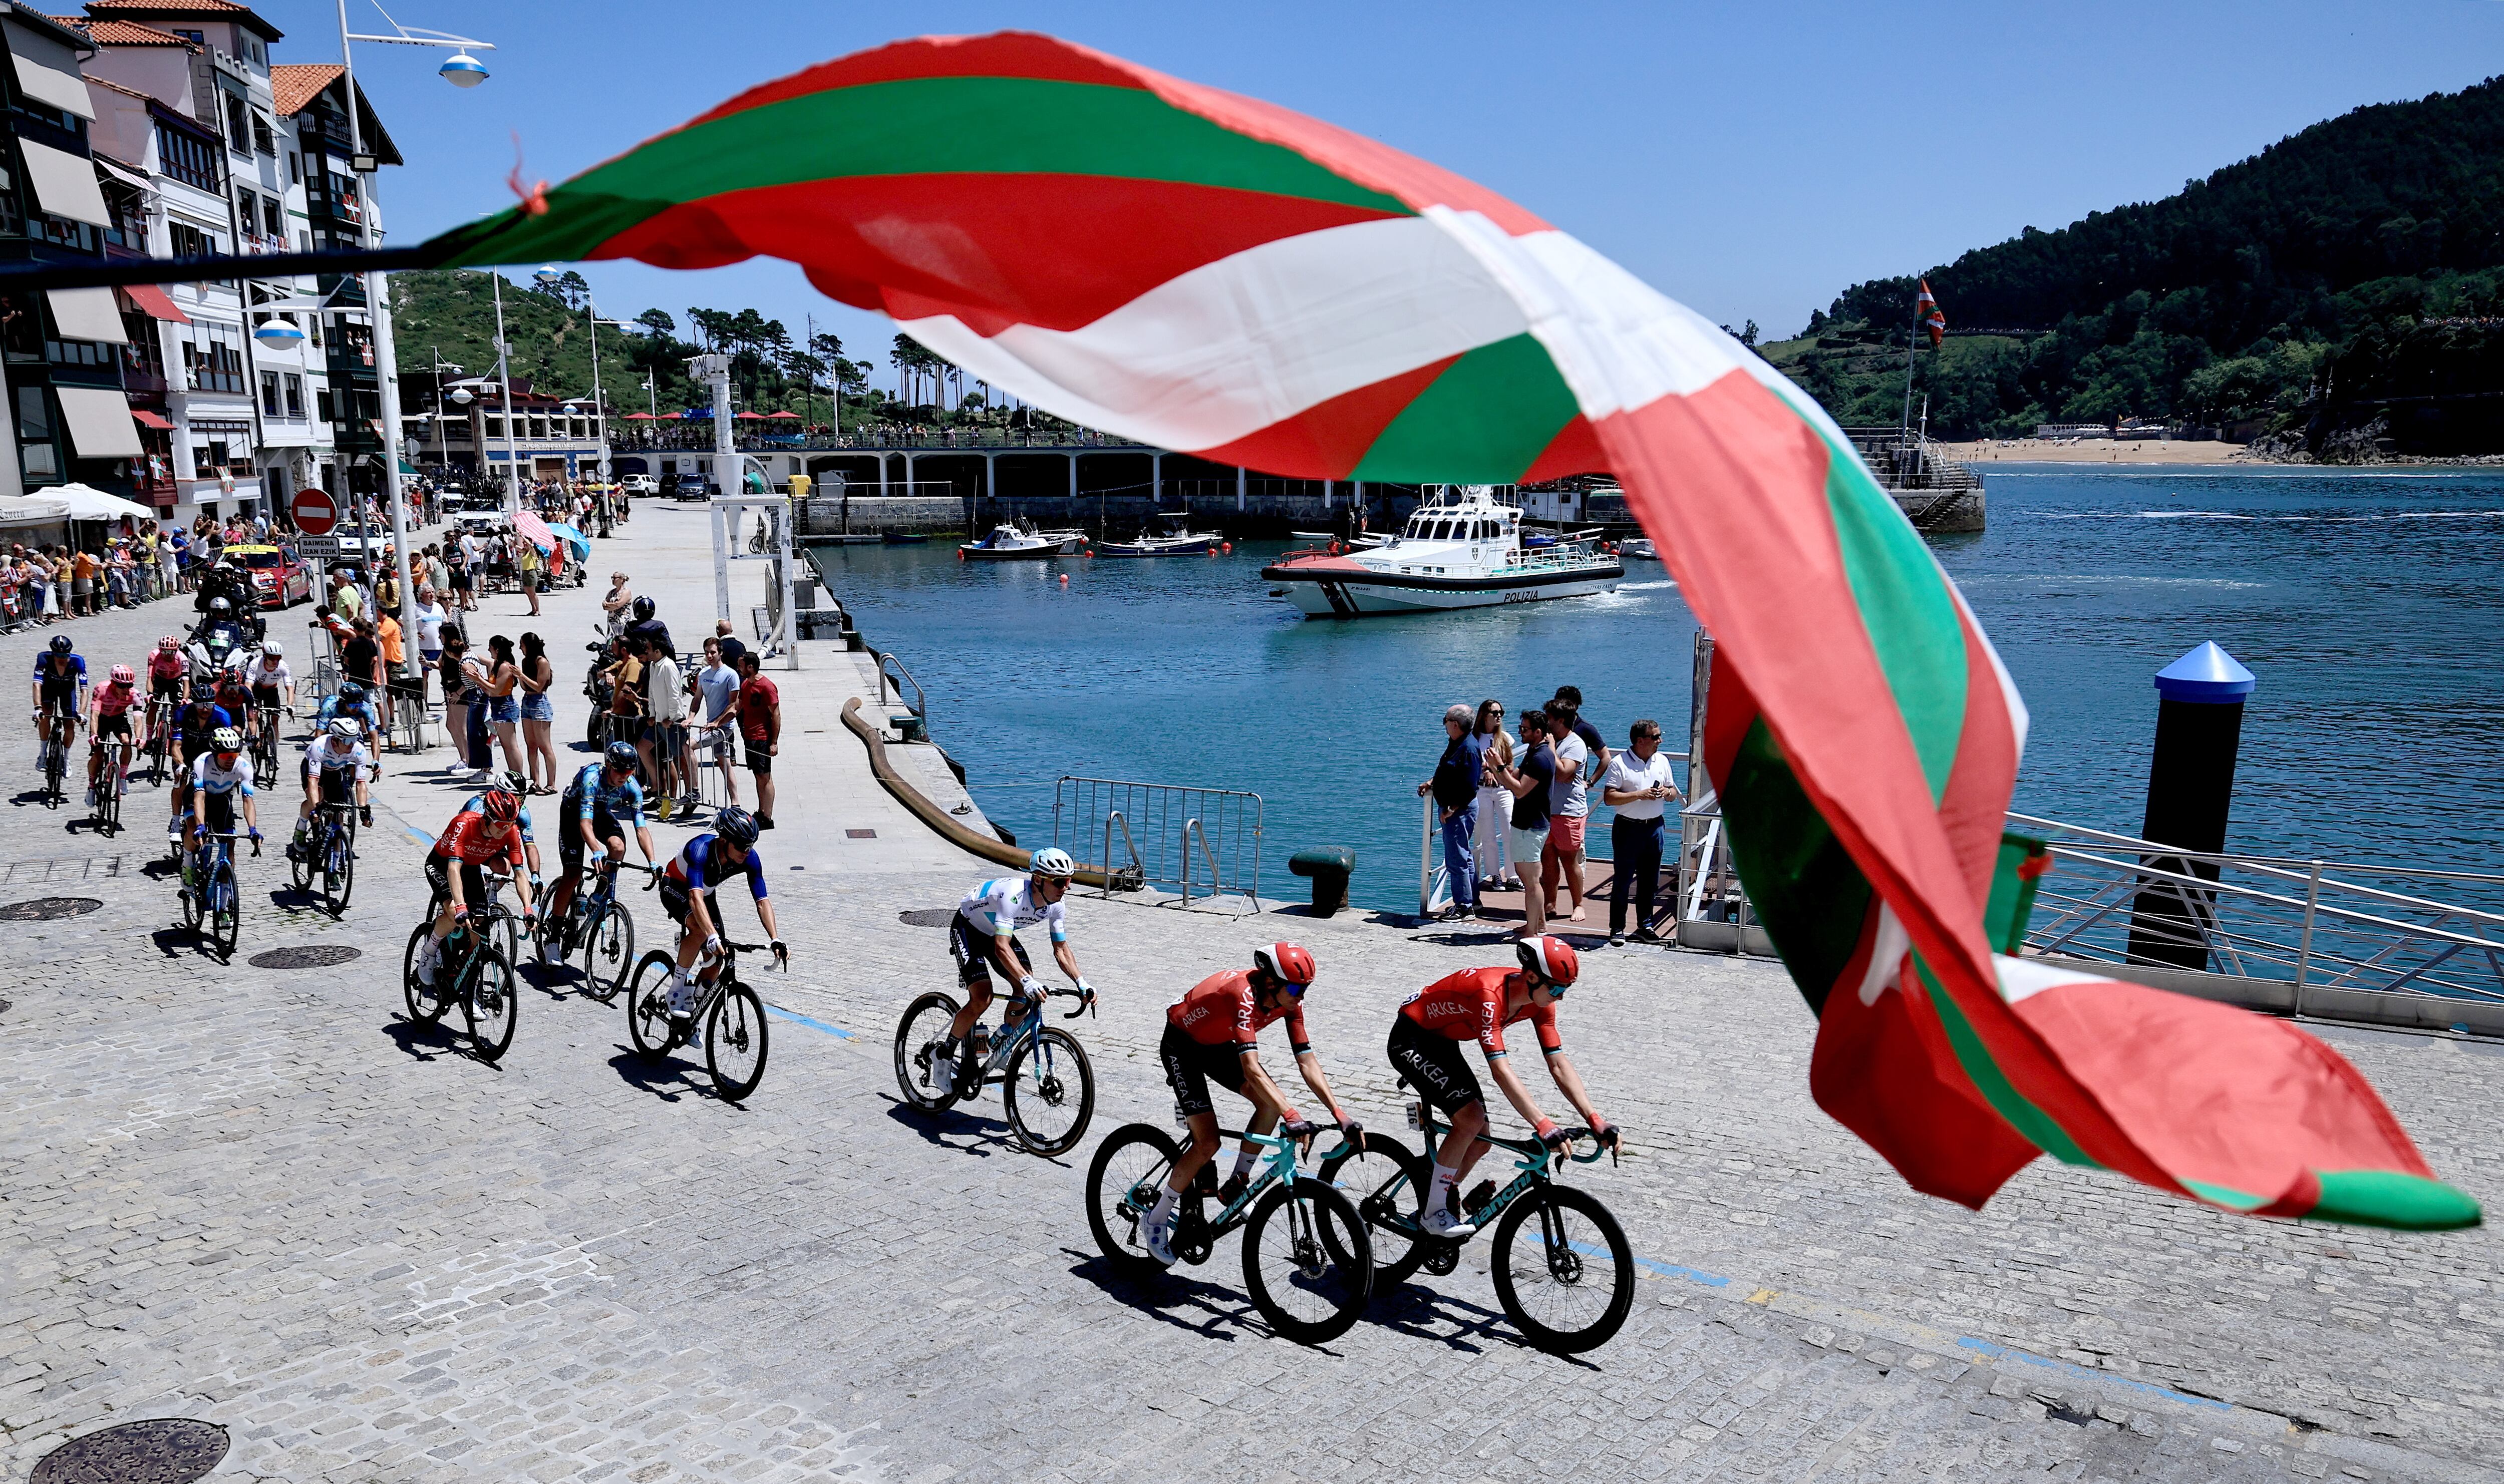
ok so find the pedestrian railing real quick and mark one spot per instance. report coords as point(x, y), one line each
point(894, 683)
point(1202, 842)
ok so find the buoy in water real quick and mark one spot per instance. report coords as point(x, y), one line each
point(1226, 545)
point(1065, 579)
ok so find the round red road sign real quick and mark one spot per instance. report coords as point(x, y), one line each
point(313, 511)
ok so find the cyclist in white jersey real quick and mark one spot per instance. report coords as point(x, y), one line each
point(221, 779)
point(335, 763)
point(983, 935)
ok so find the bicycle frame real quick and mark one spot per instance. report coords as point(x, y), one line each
point(1534, 1162)
point(1027, 1029)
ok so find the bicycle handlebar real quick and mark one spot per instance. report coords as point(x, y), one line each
point(1085, 1001)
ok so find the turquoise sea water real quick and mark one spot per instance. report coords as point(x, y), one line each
point(2370, 605)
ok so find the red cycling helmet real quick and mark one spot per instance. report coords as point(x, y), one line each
point(1552, 959)
point(500, 807)
point(1286, 962)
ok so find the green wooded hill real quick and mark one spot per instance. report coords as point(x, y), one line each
point(2351, 274)
point(453, 312)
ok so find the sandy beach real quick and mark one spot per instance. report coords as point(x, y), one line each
point(2099, 451)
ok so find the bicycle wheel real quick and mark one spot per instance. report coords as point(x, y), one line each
point(1122, 1180)
point(491, 1006)
point(426, 1004)
point(1386, 1180)
point(225, 909)
point(1566, 1279)
point(647, 1006)
point(1050, 1092)
point(734, 1043)
point(925, 1023)
point(1306, 1261)
point(108, 801)
point(608, 953)
point(54, 765)
point(299, 866)
point(338, 871)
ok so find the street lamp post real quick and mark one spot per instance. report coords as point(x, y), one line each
point(505, 382)
point(378, 301)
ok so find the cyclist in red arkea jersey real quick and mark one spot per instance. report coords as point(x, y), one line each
point(1213, 1034)
point(492, 833)
point(1477, 1005)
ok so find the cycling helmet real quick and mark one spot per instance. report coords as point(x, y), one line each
point(1552, 959)
point(347, 728)
point(622, 757)
point(1053, 861)
point(736, 825)
point(122, 674)
point(218, 606)
point(644, 608)
point(60, 643)
point(350, 693)
point(500, 807)
point(271, 648)
point(224, 739)
point(1289, 963)
point(514, 783)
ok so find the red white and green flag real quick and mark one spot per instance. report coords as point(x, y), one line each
point(1926, 313)
point(1212, 274)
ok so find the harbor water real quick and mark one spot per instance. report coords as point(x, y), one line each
point(2370, 604)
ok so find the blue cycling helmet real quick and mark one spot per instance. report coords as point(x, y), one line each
point(622, 756)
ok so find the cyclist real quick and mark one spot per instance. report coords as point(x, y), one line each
point(219, 777)
point(271, 682)
point(1213, 1034)
point(519, 786)
point(1477, 1004)
point(588, 819)
point(472, 841)
point(165, 671)
point(234, 698)
point(351, 700)
point(59, 694)
point(195, 729)
point(109, 717)
point(335, 770)
point(687, 888)
point(984, 933)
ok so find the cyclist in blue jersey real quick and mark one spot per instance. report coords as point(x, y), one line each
point(592, 815)
point(984, 934)
point(60, 693)
point(687, 887)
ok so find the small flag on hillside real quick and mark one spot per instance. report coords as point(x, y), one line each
point(1926, 313)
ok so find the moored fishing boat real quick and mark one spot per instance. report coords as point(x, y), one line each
point(1167, 535)
point(1461, 549)
point(1020, 541)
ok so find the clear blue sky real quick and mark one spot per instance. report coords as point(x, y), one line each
point(1751, 160)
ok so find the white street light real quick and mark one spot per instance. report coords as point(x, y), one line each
point(462, 70)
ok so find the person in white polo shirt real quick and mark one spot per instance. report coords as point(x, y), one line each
point(1639, 787)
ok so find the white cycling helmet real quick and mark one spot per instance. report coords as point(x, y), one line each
point(272, 648)
point(347, 728)
point(1053, 861)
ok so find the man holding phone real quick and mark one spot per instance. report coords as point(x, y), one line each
point(1639, 787)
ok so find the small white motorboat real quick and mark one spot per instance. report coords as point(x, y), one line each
point(1638, 546)
point(1020, 541)
point(1164, 535)
point(1463, 548)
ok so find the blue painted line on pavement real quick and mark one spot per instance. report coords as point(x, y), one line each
point(1664, 1269)
point(2089, 1373)
point(809, 1022)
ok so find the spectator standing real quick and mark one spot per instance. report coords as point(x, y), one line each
point(1568, 807)
point(716, 691)
point(1495, 801)
point(626, 694)
point(1529, 782)
point(361, 659)
point(84, 568)
point(430, 619)
point(1639, 785)
point(1455, 787)
point(474, 667)
point(618, 604)
point(664, 701)
point(504, 707)
point(455, 679)
point(527, 562)
point(456, 556)
point(538, 711)
point(760, 724)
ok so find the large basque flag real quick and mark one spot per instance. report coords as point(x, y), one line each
point(1209, 273)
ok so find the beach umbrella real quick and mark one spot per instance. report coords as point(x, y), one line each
point(534, 531)
point(780, 416)
point(638, 417)
point(577, 544)
point(747, 417)
point(1310, 302)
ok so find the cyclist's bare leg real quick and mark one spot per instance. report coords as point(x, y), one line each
point(1201, 1148)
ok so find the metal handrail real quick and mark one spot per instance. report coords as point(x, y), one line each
point(1128, 880)
point(920, 702)
point(1190, 828)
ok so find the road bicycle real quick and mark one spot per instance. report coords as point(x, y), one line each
point(112, 781)
point(1046, 1085)
point(1562, 1266)
point(264, 745)
point(212, 900)
point(1308, 1260)
point(597, 927)
point(473, 969)
point(731, 1014)
point(160, 738)
point(57, 730)
point(329, 854)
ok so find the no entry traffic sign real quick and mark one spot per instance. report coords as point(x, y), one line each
point(313, 511)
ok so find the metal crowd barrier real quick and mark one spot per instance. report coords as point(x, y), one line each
point(1195, 841)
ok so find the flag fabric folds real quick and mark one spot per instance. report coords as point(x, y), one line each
point(1209, 273)
point(1926, 313)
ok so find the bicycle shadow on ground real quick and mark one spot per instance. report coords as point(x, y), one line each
point(1427, 1313)
point(983, 1134)
point(558, 981)
point(430, 1043)
point(1174, 1296)
point(669, 1078)
point(31, 796)
point(178, 942)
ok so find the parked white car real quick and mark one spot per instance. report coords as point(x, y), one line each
point(639, 484)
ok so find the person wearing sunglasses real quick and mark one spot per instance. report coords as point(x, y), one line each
point(1477, 1005)
point(1213, 1034)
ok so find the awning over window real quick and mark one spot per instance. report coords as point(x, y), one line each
point(148, 419)
point(123, 173)
point(86, 314)
point(64, 182)
point(99, 423)
point(151, 300)
point(48, 71)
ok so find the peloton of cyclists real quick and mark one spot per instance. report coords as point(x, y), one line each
point(687, 887)
point(1213, 1034)
point(1477, 1005)
point(983, 935)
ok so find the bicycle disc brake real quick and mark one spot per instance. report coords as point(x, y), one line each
point(1442, 1259)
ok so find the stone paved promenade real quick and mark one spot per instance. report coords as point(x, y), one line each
point(261, 1199)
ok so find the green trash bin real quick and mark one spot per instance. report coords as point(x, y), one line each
point(1328, 866)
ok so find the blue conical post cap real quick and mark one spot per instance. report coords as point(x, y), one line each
point(2206, 673)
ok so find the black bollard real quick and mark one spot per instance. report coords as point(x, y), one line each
point(2190, 786)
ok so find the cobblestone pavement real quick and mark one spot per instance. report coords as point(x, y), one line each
point(261, 1199)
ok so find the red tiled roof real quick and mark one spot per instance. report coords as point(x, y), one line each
point(297, 84)
point(201, 9)
point(122, 33)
